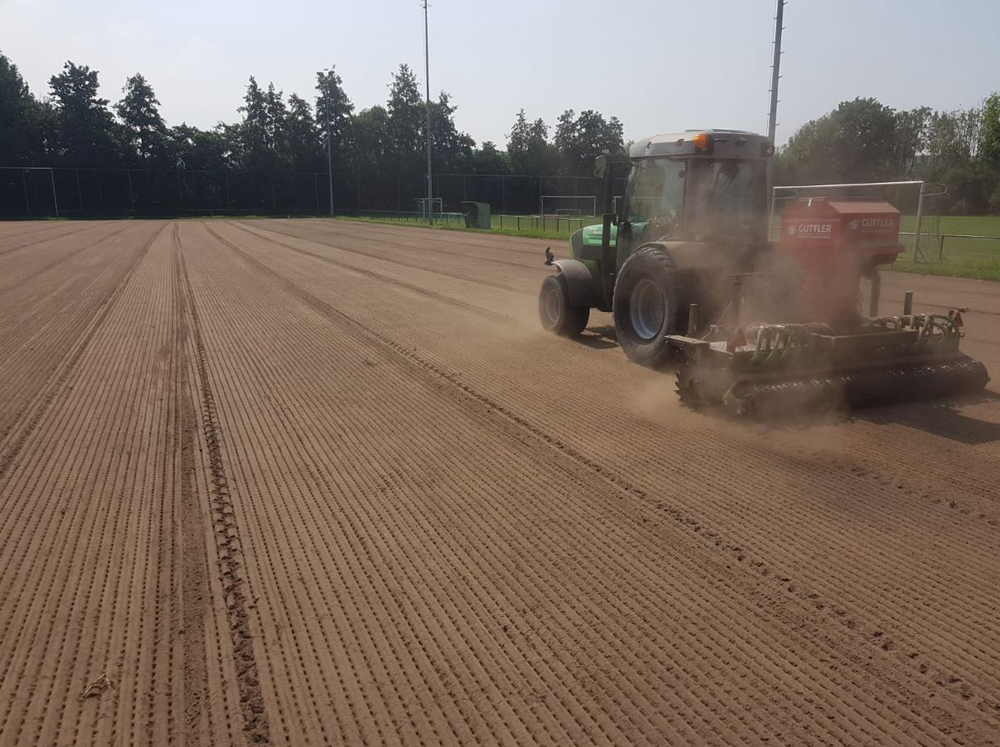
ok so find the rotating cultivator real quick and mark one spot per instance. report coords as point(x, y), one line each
point(790, 367)
point(691, 244)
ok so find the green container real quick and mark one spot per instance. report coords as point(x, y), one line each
point(477, 214)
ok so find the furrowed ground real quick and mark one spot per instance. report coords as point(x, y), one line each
point(319, 482)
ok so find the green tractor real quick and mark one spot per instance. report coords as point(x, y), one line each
point(691, 278)
point(694, 214)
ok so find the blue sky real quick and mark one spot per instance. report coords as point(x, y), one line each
point(659, 65)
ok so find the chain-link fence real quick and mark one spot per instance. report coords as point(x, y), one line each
point(39, 192)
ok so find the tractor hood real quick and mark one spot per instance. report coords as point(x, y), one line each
point(592, 235)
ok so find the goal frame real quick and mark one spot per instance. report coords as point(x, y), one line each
point(437, 206)
point(543, 198)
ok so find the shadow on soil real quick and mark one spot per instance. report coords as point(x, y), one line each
point(939, 418)
point(599, 338)
point(943, 419)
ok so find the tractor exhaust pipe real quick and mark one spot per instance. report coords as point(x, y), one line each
point(692, 320)
point(876, 295)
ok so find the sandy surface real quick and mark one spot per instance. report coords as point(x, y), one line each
point(314, 483)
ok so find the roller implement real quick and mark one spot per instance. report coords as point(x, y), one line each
point(753, 326)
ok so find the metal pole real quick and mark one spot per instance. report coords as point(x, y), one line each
point(920, 218)
point(79, 191)
point(52, 176)
point(772, 115)
point(27, 202)
point(316, 190)
point(329, 160)
point(772, 121)
point(770, 215)
point(226, 174)
point(131, 196)
point(427, 75)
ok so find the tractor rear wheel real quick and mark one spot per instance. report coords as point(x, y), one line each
point(555, 311)
point(645, 306)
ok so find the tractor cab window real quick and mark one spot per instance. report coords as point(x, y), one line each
point(654, 196)
point(725, 197)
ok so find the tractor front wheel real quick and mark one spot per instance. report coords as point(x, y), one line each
point(555, 311)
point(645, 306)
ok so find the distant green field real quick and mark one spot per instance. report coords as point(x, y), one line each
point(960, 257)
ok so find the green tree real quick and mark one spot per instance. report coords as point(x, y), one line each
point(856, 142)
point(300, 132)
point(86, 128)
point(28, 126)
point(488, 159)
point(582, 139)
point(529, 149)
point(333, 112)
point(262, 132)
point(196, 149)
point(368, 132)
point(451, 150)
point(912, 131)
point(989, 132)
point(144, 130)
point(406, 121)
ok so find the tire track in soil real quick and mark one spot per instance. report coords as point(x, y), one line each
point(195, 589)
point(870, 633)
point(60, 377)
point(229, 551)
point(372, 274)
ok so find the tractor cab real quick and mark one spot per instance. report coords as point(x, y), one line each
point(697, 187)
point(694, 208)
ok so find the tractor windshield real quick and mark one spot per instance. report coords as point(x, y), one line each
point(654, 197)
point(725, 198)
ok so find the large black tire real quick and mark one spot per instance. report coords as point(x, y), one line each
point(645, 306)
point(555, 311)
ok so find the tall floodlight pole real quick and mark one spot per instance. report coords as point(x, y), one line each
point(427, 76)
point(772, 115)
point(329, 140)
point(329, 159)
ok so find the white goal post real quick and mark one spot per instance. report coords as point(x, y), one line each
point(794, 191)
point(556, 203)
point(436, 205)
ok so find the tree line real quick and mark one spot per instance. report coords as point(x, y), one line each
point(866, 141)
point(74, 127)
point(859, 141)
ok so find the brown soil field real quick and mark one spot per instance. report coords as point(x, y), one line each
point(328, 483)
